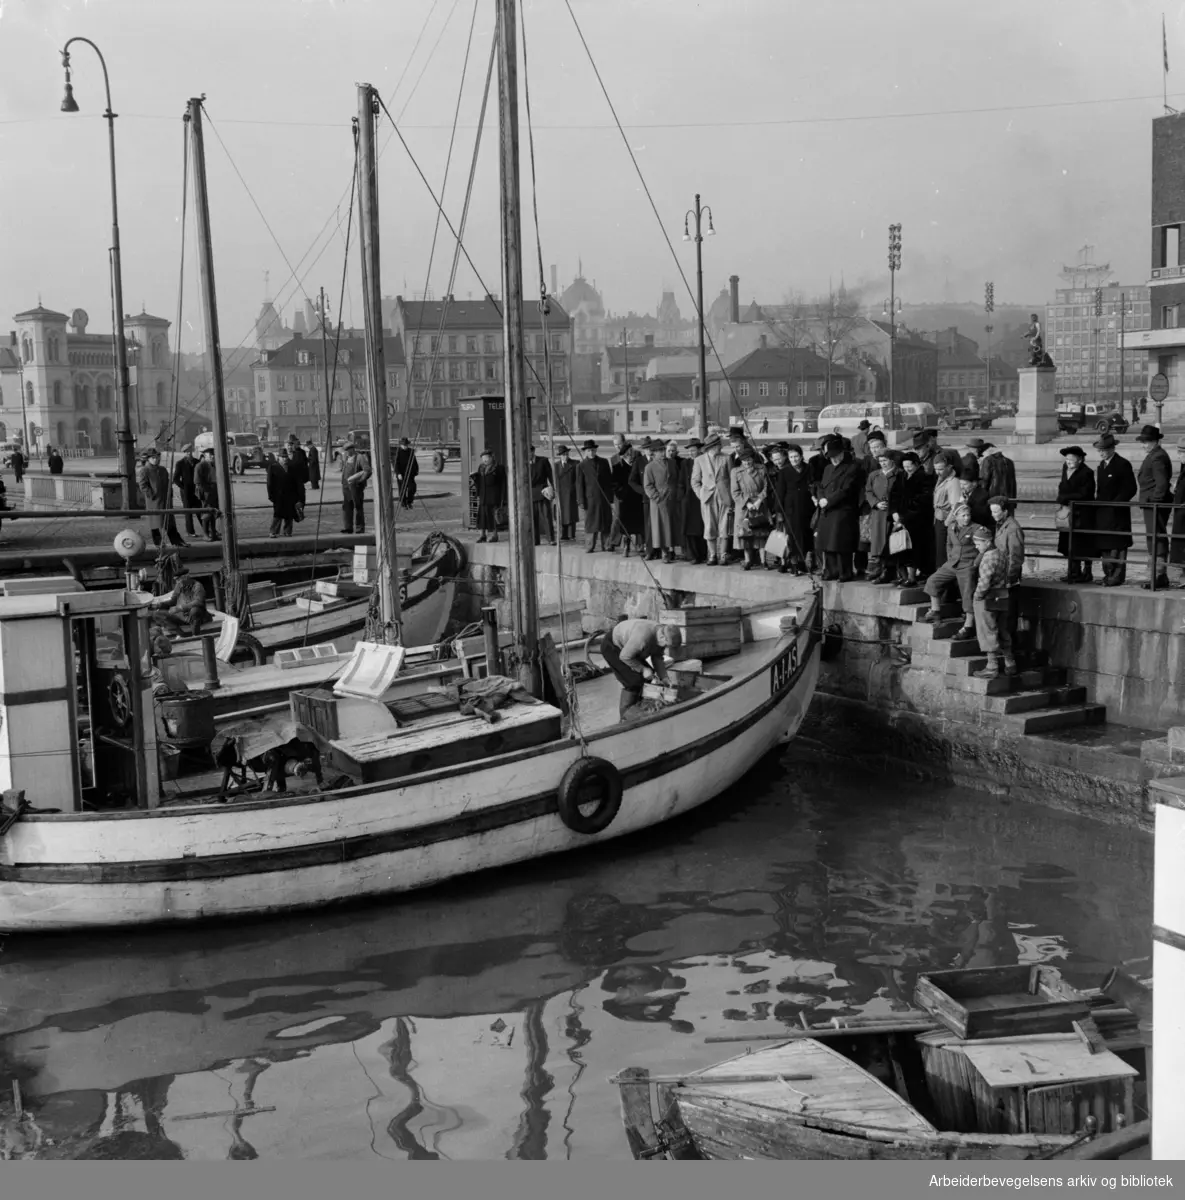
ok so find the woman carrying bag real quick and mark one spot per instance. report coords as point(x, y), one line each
point(1077, 483)
point(749, 494)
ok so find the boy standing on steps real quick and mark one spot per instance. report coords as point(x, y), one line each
point(991, 605)
point(959, 568)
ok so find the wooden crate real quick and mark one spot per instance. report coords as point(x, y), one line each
point(1001, 1001)
point(669, 694)
point(316, 710)
point(707, 632)
point(1044, 1084)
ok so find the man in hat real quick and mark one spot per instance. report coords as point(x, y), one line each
point(635, 651)
point(992, 626)
point(663, 480)
point(1076, 487)
point(617, 533)
point(355, 473)
point(926, 447)
point(1177, 544)
point(1114, 480)
point(488, 486)
point(314, 461)
point(861, 438)
point(542, 494)
point(153, 481)
point(205, 481)
point(54, 461)
point(948, 495)
point(565, 472)
point(594, 494)
point(975, 496)
point(187, 600)
point(1155, 480)
point(285, 491)
point(973, 450)
point(406, 469)
point(839, 497)
point(711, 483)
point(694, 543)
point(637, 485)
point(183, 481)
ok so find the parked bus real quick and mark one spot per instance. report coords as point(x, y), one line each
point(845, 418)
point(782, 420)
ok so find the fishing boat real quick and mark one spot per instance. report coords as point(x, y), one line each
point(419, 785)
point(908, 1087)
point(334, 609)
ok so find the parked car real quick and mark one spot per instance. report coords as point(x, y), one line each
point(1092, 416)
point(243, 449)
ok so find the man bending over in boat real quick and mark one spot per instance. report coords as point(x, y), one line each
point(188, 599)
point(634, 650)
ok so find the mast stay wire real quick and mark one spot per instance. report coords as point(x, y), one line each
point(414, 349)
point(678, 265)
point(530, 366)
point(235, 359)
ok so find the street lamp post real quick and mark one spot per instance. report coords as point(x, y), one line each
point(1094, 353)
point(892, 307)
point(894, 267)
point(989, 307)
point(126, 451)
point(1122, 349)
point(698, 213)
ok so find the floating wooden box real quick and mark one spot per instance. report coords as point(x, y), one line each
point(1047, 1083)
point(669, 694)
point(1001, 1001)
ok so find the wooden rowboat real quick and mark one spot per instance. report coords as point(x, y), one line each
point(878, 1093)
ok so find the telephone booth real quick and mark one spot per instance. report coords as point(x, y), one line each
point(483, 427)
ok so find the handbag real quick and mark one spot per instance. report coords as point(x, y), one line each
point(900, 541)
point(777, 544)
point(997, 600)
point(1061, 518)
point(757, 520)
point(501, 516)
point(299, 511)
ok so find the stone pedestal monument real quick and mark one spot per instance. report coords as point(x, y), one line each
point(1036, 415)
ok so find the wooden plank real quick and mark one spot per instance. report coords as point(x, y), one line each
point(550, 658)
point(1004, 1065)
point(636, 1115)
point(1088, 1031)
point(1112, 1145)
point(699, 614)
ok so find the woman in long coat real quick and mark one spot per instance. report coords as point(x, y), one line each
point(1077, 483)
point(883, 496)
point(594, 493)
point(917, 516)
point(797, 508)
point(565, 488)
point(488, 483)
point(839, 495)
point(750, 493)
point(663, 481)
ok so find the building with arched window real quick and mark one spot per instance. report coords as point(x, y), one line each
point(69, 373)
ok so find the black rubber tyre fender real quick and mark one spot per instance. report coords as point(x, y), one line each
point(583, 776)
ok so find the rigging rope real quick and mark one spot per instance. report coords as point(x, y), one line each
point(678, 265)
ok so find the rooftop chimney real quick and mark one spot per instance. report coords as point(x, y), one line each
point(554, 282)
point(650, 339)
point(763, 341)
point(734, 299)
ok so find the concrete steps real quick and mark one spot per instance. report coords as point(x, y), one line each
point(1035, 700)
point(1056, 718)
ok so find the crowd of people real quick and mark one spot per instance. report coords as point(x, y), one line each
point(1090, 528)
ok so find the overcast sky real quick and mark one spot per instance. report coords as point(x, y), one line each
point(808, 129)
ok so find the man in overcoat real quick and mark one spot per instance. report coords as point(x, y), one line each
point(488, 484)
point(153, 482)
point(565, 491)
point(542, 493)
point(839, 497)
point(663, 480)
point(694, 542)
point(1177, 545)
point(594, 494)
point(1155, 481)
point(183, 470)
point(710, 481)
point(1114, 480)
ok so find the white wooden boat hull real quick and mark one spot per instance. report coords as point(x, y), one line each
point(90, 870)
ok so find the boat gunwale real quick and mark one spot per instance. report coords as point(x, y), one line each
point(442, 773)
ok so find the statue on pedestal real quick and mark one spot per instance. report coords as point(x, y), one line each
point(1037, 355)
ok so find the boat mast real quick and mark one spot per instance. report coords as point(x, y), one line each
point(391, 613)
point(235, 599)
point(524, 604)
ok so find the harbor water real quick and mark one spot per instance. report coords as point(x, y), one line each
point(485, 1019)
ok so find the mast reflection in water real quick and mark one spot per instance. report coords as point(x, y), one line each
point(483, 1020)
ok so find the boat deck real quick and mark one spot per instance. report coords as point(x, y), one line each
point(836, 1090)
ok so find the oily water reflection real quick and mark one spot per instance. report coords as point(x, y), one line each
point(484, 1020)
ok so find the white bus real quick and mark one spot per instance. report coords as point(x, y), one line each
point(782, 420)
point(845, 418)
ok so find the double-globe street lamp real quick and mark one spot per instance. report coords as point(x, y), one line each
point(125, 441)
point(698, 214)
